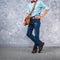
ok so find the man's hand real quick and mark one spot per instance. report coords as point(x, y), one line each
point(26, 15)
point(39, 17)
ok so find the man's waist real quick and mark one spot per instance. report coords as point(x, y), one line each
point(33, 17)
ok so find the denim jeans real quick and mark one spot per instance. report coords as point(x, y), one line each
point(34, 24)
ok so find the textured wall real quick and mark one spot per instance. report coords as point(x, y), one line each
point(12, 32)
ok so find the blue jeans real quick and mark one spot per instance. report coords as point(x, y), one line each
point(34, 24)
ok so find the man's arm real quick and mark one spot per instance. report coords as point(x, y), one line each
point(43, 15)
point(45, 7)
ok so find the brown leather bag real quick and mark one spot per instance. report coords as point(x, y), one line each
point(27, 19)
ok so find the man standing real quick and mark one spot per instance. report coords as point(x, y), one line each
point(35, 23)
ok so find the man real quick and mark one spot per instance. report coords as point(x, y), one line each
point(35, 23)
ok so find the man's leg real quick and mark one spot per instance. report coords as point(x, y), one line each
point(39, 43)
point(36, 31)
point(35, 38)
point(29, 31)
point(30, 35)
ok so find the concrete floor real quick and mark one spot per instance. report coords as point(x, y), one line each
point(24, 53)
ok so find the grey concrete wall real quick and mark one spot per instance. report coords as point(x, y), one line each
point(12, 31)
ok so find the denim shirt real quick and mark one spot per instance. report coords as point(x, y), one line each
point(38, 8)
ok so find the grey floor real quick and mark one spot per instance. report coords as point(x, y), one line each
point(24, 53)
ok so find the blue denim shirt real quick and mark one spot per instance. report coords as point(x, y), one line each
point(38, 8)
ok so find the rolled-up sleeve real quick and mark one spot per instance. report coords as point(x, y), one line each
point(44, 6)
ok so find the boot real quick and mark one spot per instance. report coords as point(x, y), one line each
point(34, 50)
point(40, 47)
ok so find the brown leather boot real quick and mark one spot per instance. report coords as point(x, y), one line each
point(34, 50)
point(40, 47)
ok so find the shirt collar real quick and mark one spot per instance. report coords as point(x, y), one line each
point(33, 1)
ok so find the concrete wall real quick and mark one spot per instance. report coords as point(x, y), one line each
point(12, 31)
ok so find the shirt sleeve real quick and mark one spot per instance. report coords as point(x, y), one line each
point(27, 10)
point(44, 6)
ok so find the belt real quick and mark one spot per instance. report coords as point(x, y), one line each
point(33, 17)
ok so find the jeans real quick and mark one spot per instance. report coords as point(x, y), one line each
point(34, 24)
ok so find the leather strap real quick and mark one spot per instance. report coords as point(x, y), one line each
point(33, 8)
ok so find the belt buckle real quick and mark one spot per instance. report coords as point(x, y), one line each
point(33, 17)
